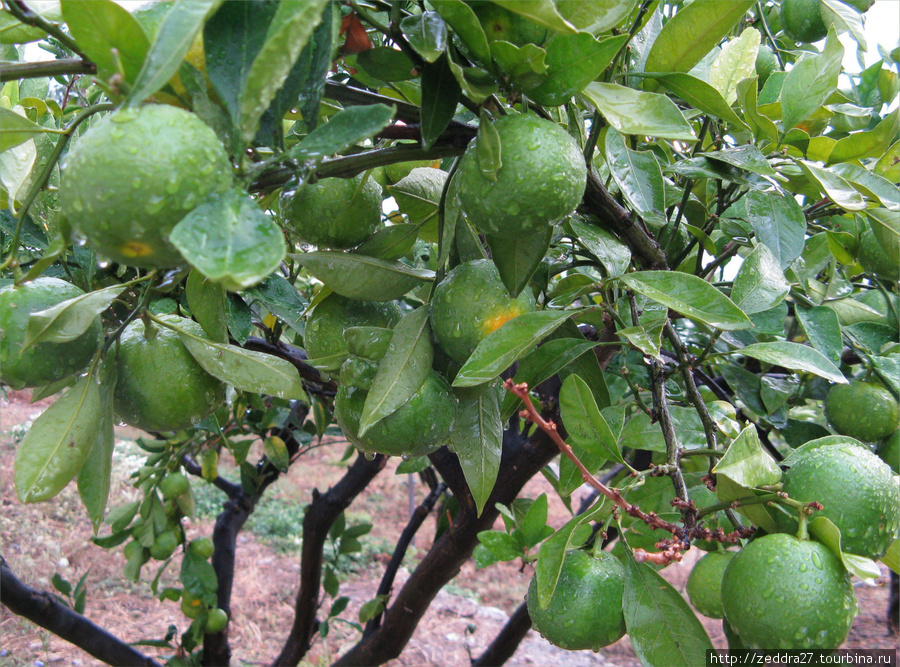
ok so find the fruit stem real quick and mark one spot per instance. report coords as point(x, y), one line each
point(802, 530)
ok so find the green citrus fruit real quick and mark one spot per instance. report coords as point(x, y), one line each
point(766, 63)
point(191, 605)
point(862, 410)
point(160, 386)
point(857, 489)
point(704, 584)
point(500, 24)
point(585, 611)
point(216, 620)
point(780, 592)
point(399, 170)
point(418, 427)
point(132, 177)
point(202, 546)
point(802, 20)
point(134, 550)
point(164, 546)
point(45, 362)
point(540, 182)
point(470, 303)
point(173, 485)
point(889, 451)
point(327, 322)
point(334, 212)
point(875, 258)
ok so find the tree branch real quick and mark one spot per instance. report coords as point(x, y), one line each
point(43, 609)
point(390, 572)
point(298, 358)
point(13, 71)
point(320, 515)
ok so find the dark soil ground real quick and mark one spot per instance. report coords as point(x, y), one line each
point(43, 539)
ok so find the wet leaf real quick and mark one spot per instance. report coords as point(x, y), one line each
point(779, 223)
point(689, 295)
point(17, 129)
point(466, 25)
point(735, 62)
point(427, 34)
point(796, 357)
point(281, 299)
point(540, 12)
point(639, 177)
point(583, 421)
point(230, 240)
point(477, 439)
point(58, 442)
point(829, 534)
point(94, 477)
point(488, 149)
point(747, 463)
point(760, 283)
point(572, 62)
point(614, 255)
point(518, 258)
point(809, 83)
point(440, 95)
point(402, 370)
point(206, 299)
point(68, 319)
point(507, 344)
point(363, 278)
point(642, 433)
point(822, 329)
point(833, 186)
point(633, 112)
point(662, 628)
point(700, 95)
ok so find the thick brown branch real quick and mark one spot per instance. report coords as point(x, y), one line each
point(320, 515)
point(43, 609)
point(298, 358)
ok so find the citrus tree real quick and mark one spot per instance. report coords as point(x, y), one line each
point(650, 247)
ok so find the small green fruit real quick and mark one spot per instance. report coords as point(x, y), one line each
point(216, 620)
point(173, 485)
point(704, 584)
point(802, 20)
point(862, 410)
point(164, 546)
point(585, 611)
point(202, 547)
point(766, 63)
point(191, 606)
point(325, 325)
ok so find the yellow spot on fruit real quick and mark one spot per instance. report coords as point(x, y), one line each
point(493, 323)
point(136, 249)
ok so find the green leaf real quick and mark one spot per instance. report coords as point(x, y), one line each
point(465, 23)
point(363, 278)
point(829, 534)
point(58, 442)
point(488, 149)
point(810, 82)
point(796, 357)
point(642, 433)
point(542, 13)
point(595, 16)
point(198, 577)
point(633, 112)
point(867, 143)
point(873, 186)
point(502, 545)
point(281, 299)
point(889, 368)
point(689, 295)
point(427, 34)
point(572, 62)
point(499, 349)
point(277, 453)
point(647, 341)
point(176, 34)
point(701, 95)
point(419, 193)
point(230, 240)
point(288, 33)
point(760, 283)
point(886, 228)
point(17, 129)
point(477, 439)
point(344, 129)
point(835, 188)
point(313, 65)
point(68, 319)
point(94, 477)
point(747, 463)
point(525, 65)
point(532, 528)
point(372, 608)
point(244, 369)
point(206, 300)
point(440, 95)
point(692, 33)
point(402, 370)
point(545, 362)
point(639, 177)
point(391, 242)
point(583, 421)
point(612, 253)
point(102, 26)
point(662, 628)
point(747, 157)
point(822, 329)
point(553, 551)
point(735, 62)
point(892, 557)
point(762, 125)
point(386, 64)
point(779, 223)
point(518, 258)
point(16, 164)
